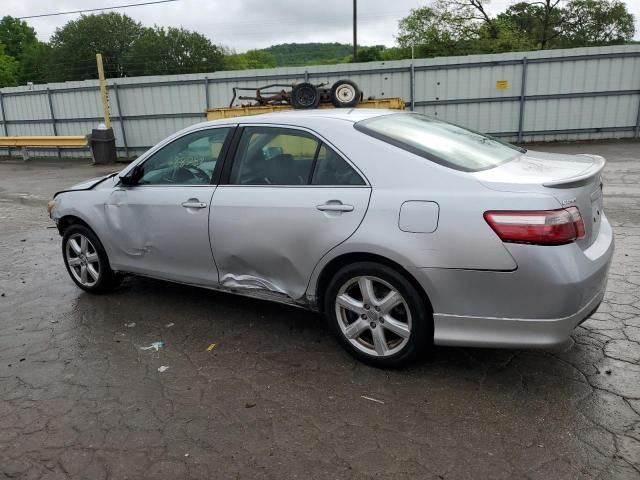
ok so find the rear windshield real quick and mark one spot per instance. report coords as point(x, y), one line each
point(439, 141)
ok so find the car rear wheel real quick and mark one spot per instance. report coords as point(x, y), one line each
point(86, 260)
point(378, 315)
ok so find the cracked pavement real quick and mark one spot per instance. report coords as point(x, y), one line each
point(277, 397)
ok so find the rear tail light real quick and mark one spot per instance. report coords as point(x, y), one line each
point(547, 227)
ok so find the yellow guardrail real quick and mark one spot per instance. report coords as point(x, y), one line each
point(45, 141)
point(230, 112)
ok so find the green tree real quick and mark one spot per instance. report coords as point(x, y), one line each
point(36, 64)
point(437, 31)
point(233, 60)
point(395, 53)
point(446, 29)
point(260, 59)
point(75, 45)
point(597, 22)
point(8, 69)
point(16, 36)
point(292, 54)
point(501, 37)
point(543, 21)
point(160, 51)
point(370, 54)
point(456, 27)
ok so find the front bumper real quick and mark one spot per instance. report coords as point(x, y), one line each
point(553, 290)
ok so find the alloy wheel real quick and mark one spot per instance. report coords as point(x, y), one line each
point(83, 260)
point(373, 316)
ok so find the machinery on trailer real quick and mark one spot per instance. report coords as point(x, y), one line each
point(241, 111)
point(304, 95)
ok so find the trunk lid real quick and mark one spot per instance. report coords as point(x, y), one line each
point(574, 180)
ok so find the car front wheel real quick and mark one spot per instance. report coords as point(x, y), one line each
point(378, 315)
point(86, 260)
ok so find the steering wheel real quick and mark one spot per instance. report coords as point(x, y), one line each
point(190, 172)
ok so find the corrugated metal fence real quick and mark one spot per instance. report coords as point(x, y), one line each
point(571, 94)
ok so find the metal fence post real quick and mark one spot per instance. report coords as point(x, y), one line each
point(53, 119)
point(412, 86)
point(637, 132)
point(523, 92)
point(206, 95)
point(412, 81)
point(4, 122)
point(121, 118)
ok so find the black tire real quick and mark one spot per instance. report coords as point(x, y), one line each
point(305, 96)
point(107, 279)
point(419, 321)
point(345, 94)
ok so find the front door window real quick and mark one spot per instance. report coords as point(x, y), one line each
point(189, 160)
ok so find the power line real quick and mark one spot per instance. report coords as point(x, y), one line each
point(97, 9)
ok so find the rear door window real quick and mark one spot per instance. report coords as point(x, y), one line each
point(331, 169)
point(274, 156)
point(286, 156)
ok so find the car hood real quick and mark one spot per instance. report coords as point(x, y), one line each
point(87, 184)
point(541, 168)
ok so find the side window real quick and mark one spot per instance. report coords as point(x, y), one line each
point(189, 160)
point(274, 156)
point(331, 169)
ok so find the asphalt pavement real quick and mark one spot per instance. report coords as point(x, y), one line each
point(81, 395)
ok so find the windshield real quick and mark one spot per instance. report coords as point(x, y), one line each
point(440, 142)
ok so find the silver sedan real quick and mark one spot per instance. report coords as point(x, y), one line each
point(402, 229)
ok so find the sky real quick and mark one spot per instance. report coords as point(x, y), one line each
point(245, 24)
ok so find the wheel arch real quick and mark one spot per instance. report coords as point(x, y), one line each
point(67, 221)
point(335, 264)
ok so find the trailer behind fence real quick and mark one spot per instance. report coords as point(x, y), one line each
point(547, 95)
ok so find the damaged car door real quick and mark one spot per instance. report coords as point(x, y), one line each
point(159, 213)
point(285, 199)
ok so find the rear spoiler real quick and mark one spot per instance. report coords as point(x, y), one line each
point(574, 181)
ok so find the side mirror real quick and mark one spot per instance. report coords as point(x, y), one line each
point(127, 181)
point(133, 177)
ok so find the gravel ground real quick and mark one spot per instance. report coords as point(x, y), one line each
point(277, 397)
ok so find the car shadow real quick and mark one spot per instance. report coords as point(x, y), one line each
point(257, 327)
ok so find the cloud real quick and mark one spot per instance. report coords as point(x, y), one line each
point(247, 24)
point(244, 24)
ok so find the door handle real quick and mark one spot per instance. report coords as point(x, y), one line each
point(194, 203)
point(335, 206)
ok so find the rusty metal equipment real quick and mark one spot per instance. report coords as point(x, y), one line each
point(304, 95)
point(240, 111)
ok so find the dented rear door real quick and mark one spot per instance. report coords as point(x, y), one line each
point(287, 201)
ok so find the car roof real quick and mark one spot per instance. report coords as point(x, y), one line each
point(308, 117)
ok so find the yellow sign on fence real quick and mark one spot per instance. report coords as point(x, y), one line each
point(502, 84)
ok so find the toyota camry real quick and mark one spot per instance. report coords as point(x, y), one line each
point(403, 230)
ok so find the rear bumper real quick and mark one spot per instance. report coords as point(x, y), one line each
point(552, 291)
point(509, 332)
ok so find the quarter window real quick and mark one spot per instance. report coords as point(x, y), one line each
point(331, 169)
point(189, 160)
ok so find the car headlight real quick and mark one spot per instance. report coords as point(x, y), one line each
point(50, 205)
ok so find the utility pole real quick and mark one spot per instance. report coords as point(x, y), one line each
point(355, 30)
point(104, 96)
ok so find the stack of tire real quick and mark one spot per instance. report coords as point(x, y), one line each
point(343, 94)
